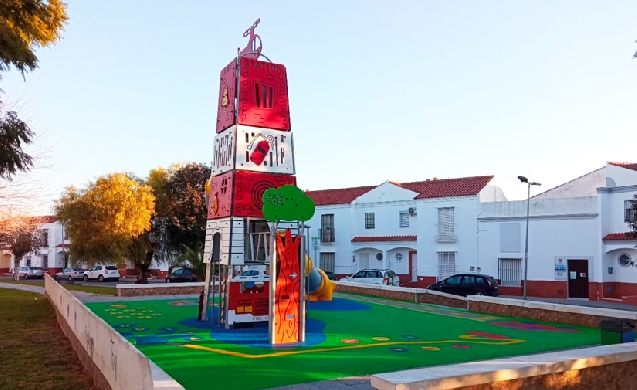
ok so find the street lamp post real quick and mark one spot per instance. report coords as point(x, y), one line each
point(526, 240)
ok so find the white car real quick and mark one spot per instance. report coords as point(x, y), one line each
point(102, 273)
point(375, 276)
point(251, 275)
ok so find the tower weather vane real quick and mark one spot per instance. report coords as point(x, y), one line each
point(251, 50)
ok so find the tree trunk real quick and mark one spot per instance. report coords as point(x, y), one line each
point(144, 266)
point(16, 269)
point(288, 286)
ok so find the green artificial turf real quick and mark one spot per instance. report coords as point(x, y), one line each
point(383, 338)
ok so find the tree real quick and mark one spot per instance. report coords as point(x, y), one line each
point(287, 203)
point(103, 220)
point(189, 211)
point(24, 243)
point(14, 134)
point(26, 25)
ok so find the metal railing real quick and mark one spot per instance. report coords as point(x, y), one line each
point(327, 235)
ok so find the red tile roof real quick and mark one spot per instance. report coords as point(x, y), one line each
point(627, 165)
point(384, 239)
point(337, 196)
point(619, 237)
point(434, 188)
point(440, 188)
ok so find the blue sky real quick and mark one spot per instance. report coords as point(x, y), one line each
point(401, 90)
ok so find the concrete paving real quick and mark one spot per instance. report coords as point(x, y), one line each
point(356, 383)
point(23, 287)
point(601, 304)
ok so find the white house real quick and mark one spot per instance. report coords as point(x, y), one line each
point(422, 230)
point(50, 256)
point(578, 242)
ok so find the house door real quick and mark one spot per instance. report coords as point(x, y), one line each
point(363, 262)
point(413, 266)
point(578, 278)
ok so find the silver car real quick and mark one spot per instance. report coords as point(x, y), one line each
point(375, 276)
point(31, 272)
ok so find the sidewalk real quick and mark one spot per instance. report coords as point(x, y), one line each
point(601, 304)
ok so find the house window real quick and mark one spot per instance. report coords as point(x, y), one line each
point(446, 264)
point(369, 221)
point(45, 261)
point(446, 223)
point(328, 262)
point(404, 219)
point(45, 237)
point(29, 261)
point(629, 211)
point(327, 232)
point(510, 271)
point(624, 259)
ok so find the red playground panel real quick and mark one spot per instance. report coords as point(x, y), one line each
point(248, 301)
point(239, 193)
point(263, 95)
point(227, 95)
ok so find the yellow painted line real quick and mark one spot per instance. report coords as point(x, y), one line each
point(349, 347)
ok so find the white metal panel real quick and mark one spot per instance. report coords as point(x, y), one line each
point(254, 149)
point(264, 150)
point(223, 151)
point(231, 245)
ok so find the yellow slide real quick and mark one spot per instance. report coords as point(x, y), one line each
point(320, 287)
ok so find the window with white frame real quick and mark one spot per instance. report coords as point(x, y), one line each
point(446, 223)
point(328, 261)
point(446, 264)
point(510, 272)
point(629, 211)
point(404, 219)
point(370, 221)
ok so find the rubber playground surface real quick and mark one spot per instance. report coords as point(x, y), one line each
point(349, 336)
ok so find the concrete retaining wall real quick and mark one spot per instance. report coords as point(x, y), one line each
point(544, 311)
point(132, 290)
point(604, 367)
point(114, 362)
point(419, 295)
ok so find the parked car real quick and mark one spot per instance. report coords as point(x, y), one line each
point(31, 272)
point(467, 284)
point(181, 274)
point(375, 276)
point(70, 273)
point(102, 273)
point(251, 275)
point(330, 275)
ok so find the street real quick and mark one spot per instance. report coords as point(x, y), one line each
point(40, 282)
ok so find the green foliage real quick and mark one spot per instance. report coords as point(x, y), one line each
point(24, 243)
point(26, 25)
point(287, 203)
point(193, 259)
point(188, 208)
point(103, 220)
point(14, 134)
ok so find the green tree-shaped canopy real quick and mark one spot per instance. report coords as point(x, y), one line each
point(287, 203)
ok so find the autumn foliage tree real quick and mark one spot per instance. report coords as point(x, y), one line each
point(104, 220)
point(26, 25)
